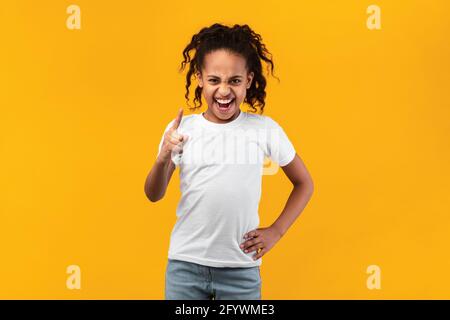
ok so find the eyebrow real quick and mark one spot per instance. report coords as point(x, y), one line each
point(236, 76)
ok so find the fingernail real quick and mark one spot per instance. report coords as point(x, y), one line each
point(241, 245)
point(245, 250)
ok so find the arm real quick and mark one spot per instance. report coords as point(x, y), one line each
point(158, 179)
point(302, 191)
point(262, 240)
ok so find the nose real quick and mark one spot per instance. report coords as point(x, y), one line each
point(224, 90)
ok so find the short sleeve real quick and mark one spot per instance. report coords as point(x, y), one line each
point(279, 147)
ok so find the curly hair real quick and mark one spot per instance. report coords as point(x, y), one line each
point(239, 39)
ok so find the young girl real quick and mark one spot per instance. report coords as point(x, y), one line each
point(216, 246)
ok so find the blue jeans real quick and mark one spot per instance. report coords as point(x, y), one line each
point(190, 281)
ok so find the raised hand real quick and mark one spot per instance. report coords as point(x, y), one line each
point(173, 141)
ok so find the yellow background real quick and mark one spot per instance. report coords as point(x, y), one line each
point(82, 113)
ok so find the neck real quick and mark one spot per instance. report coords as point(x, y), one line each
point(211, 117)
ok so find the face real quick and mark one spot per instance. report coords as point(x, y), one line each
point(223, 78)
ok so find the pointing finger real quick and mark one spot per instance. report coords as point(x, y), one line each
point(176, 124)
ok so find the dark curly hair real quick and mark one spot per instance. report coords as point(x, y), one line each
point(240, 39)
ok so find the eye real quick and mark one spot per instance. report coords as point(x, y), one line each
point(213, 80)
point(238, 81)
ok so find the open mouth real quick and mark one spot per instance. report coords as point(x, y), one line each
point(224, 105)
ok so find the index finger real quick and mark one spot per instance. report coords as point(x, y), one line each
point(176, 124)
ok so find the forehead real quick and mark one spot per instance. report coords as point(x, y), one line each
point(224, 63)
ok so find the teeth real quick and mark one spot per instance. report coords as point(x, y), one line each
point(224, 101)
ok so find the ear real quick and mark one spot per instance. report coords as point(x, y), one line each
point(250, 79)
point(198, 75)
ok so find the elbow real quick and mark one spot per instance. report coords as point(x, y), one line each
point(307, 186)
point(152, 196)
point(310, 188)
point(152, 199)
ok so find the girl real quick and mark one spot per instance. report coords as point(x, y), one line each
point(216, 246)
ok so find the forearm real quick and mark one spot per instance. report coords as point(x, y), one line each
point(157, 180)
point(297, 201)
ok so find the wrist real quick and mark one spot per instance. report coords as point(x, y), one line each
point(278, 230)
point(160, 160)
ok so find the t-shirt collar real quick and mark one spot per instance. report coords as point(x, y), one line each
point(227, 125)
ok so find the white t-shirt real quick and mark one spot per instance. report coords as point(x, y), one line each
point(220, 172)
